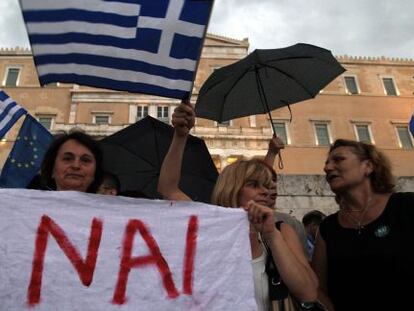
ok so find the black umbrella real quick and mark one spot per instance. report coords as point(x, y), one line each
point(135, 155)
point(265, 80)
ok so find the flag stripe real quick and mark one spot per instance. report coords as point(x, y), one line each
point(119, 7)
point(137, 87)
point(87, 28)
point(110, 51)
point(6, 109)
point(137, 67)
point(114, 74)
point(10, 112)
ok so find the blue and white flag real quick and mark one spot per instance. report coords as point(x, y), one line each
point(412, 125)
point(26, 156)
point(141, 46)
point(10, 112)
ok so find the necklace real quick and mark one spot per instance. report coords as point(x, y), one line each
point(357, 221)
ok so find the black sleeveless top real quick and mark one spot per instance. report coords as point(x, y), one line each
point(373, 269)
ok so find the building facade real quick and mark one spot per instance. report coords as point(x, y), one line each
point(372, 101)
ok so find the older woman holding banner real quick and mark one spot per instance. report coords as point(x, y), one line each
point(245, 184)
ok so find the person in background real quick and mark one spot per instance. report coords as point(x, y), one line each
point(72, 162)
point(110, 184)
point(275, 145)
point(364, 252)
point(245, 183)
point(311, 221)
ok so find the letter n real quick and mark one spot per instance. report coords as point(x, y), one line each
point(85, 269)
point(128, 262)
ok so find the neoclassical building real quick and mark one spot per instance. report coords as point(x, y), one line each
point(372, 101)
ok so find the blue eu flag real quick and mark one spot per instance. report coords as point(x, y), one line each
point(26, 156)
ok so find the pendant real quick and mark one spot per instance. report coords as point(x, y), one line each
point(360, 229)
point(382, 231)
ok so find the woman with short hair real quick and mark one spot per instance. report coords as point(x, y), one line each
point(72, 162)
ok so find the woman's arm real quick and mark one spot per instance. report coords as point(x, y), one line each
point(287, 252)
point(183, 120)
point(319, 265)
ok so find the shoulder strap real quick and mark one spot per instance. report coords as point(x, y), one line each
point(277, 289)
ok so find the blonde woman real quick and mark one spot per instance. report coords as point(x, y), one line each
point(246, 184)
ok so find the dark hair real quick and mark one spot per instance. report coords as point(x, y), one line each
point(313, 217)
point(381, 177)
point(111, 180)
point(48, 162)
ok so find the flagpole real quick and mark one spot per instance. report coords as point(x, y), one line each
point(199, 54)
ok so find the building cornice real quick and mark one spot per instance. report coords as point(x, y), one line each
point(380, 60)
point(222, 39)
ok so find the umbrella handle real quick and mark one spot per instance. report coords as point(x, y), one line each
point(280, 160)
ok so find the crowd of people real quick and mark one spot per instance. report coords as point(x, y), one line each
point(358, 258)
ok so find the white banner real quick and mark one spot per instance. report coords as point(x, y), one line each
point(78, 251)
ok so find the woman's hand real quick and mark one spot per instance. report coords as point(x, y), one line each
point(261, 217)
point(275, 145)
point(183, 118)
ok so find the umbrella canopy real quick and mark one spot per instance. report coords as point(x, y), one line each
point(265, 80)
point(135, 154)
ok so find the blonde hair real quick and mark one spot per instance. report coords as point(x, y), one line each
point(234, 176)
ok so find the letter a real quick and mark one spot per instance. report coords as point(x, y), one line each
point(85, 269)
point(127, 262)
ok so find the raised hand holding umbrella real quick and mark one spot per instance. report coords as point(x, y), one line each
point(275, 146)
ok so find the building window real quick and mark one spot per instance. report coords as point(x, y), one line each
point(363, 133)
point(389, 86)
point(142, 112)
point(12, 77)
point(46, 121)
point(281, 131)
point(351, 85)
point(404, 137)
point(322, 134)
point(101, 119)
point(163, 114)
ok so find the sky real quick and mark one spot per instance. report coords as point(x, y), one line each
point(353, 27)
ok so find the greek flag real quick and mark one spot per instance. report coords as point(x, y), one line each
point(10, 112)
point(140, 46)
point(412, 125)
